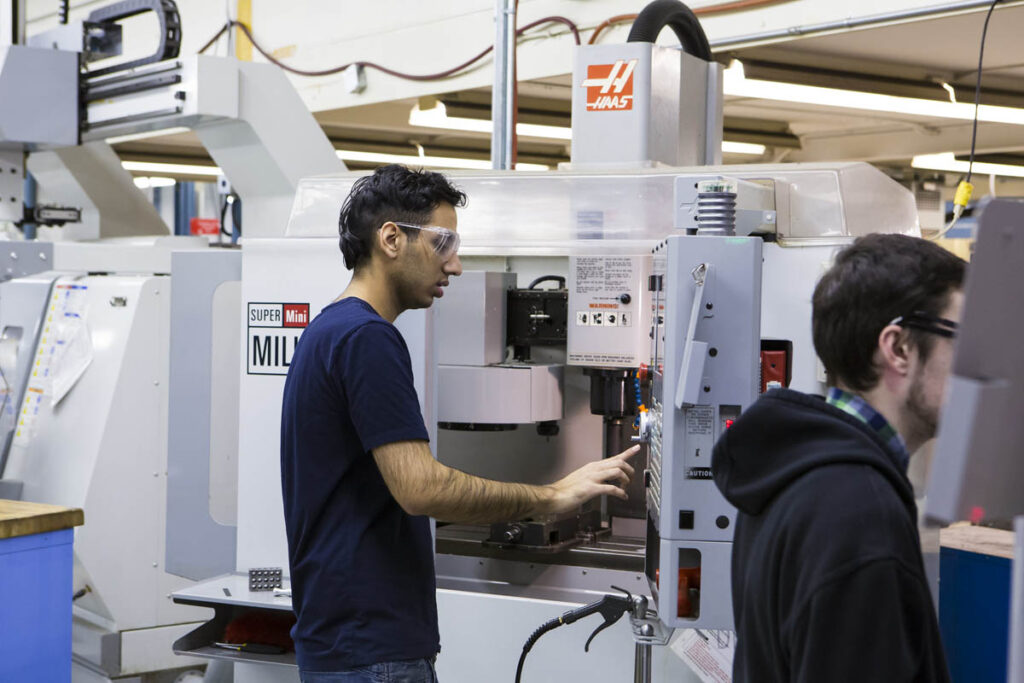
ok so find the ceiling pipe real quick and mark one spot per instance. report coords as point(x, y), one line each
point(852, 23)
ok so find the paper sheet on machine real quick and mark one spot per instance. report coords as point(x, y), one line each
point(8, 365)
point(64, 352)
point(708, 653)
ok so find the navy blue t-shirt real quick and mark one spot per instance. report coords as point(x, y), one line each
point(362, 570)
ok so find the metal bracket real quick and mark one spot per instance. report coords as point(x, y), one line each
point(649, 629)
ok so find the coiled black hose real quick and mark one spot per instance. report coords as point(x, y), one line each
point(661, 13)
point(541, 630)
point(548, 278)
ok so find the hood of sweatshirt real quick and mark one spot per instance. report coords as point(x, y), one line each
point(784, 435)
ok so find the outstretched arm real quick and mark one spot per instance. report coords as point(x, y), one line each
point(423, 486)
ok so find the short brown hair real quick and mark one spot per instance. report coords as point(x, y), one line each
point(873, 281)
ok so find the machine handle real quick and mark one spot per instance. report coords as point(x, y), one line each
point(691, 370)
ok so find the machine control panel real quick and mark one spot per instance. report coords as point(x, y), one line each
point(704, 359)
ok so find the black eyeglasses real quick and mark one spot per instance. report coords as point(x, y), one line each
point(926, 322)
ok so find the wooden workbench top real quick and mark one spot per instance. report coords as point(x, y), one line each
point(978, 539)
point(18, 518)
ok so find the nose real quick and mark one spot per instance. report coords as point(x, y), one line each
point(453, 266)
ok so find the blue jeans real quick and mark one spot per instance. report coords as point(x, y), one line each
point(409, 671)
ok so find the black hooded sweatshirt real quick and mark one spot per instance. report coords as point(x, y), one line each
point(828, 583)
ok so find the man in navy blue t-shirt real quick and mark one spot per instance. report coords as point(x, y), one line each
point(358, 478)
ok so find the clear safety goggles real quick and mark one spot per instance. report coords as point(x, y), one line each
point(445, 241)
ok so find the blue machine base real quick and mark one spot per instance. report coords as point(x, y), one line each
point(974, 614)
point(35, 607)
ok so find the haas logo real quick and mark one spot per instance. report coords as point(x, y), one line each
point(610, 86)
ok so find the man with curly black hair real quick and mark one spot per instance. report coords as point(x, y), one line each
point(358, 478)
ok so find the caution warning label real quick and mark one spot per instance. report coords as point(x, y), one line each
point(274, 331)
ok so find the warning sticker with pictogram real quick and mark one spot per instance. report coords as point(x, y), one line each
point(610, 86)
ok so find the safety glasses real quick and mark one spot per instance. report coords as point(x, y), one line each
point(926, 322)
point(445, 241)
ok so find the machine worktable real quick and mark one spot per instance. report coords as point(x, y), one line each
point(230, 597)
point(20, 518)
point(233, 589)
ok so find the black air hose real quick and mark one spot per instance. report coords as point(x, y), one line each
point(531, 641)
point(661, 13)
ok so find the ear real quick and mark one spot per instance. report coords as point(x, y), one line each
point(389, 239)
point(894, 350)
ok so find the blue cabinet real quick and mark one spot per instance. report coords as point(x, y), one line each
point(36, 566)
point(974, 613)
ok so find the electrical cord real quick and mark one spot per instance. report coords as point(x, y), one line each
point(640, 407)
point(247, 31)
point(235, 203)
point(964, 189)
point(608, 23)
point(370, 65)
point(223, 214)
point(977, 87)
point(548, 278)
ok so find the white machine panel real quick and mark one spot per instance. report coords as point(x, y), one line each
point(473, 625)
point(471, 318)
point(92, 433)
point(506, 394)
point(608, 324)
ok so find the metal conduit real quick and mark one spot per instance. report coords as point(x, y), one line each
point(502, 97)
point(849, 23)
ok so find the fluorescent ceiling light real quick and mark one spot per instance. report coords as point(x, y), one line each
point(430, 161)
point(948, 162)
point(368, 157)
point(143, 182)
point(742, 148)
point(738, 85)
point(437, 117)
point(170, 169)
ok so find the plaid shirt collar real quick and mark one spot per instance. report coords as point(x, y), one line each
point(862, 410)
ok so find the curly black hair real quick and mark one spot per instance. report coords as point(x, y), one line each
point(873, 281)
point(392, 193)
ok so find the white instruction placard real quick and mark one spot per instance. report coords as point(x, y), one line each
point(707, 653)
